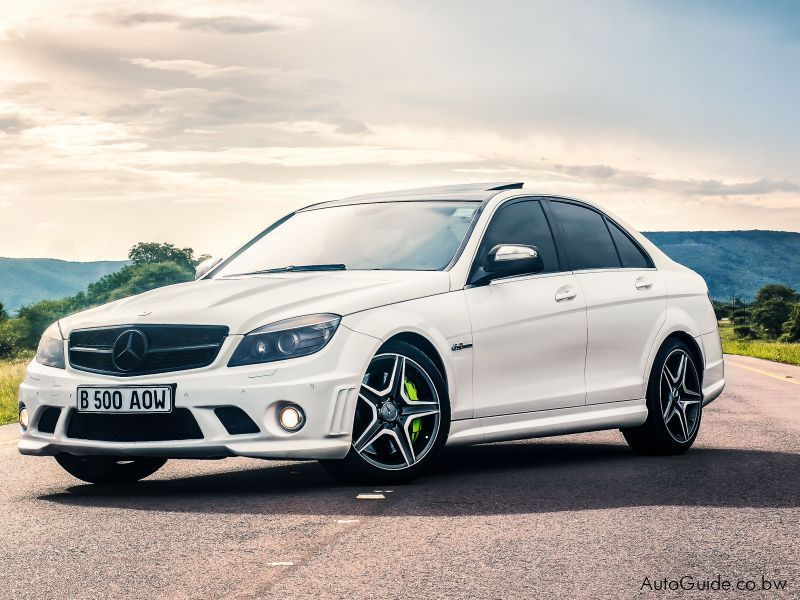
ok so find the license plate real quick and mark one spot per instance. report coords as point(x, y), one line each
point(125, 399)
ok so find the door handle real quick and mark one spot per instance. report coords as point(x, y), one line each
point(565, 293)
point(642, 283)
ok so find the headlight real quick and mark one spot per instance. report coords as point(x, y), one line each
point(51, 348)
point(291, 338)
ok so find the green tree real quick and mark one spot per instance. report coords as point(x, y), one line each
point(147, 277)
point(792, 326)
point(3, 313)
point(774, 290)
point(154, 252)
point(771, 314)
point(33, 319)
point(101, 290)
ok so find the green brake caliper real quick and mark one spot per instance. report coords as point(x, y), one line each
point(416, 424)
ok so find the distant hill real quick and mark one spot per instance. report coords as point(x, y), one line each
point(735, 262)
point(27, 280)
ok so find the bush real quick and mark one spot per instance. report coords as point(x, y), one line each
point(792, 326)
point(10, 336)
point(743, 331)
point(772, 314)
point(33, 319)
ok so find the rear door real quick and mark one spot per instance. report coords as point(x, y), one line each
point(626, 300)
point(529, 331)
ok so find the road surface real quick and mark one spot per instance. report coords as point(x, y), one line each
point(576, 517)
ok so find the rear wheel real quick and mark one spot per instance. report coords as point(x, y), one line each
point(402, 419)
point(109, 469)
point(674, 404)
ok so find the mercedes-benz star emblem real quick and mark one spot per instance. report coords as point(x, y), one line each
point(129, 350)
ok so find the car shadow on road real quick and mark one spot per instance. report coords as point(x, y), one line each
point(506, 478)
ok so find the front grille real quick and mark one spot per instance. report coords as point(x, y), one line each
point(49, 419)
point(168, 348)
point(180, 424)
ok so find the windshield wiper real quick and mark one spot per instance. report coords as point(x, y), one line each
point(295, 269)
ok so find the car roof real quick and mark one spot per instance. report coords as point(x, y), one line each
point(466, 192)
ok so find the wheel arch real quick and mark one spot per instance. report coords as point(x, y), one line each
point(433, 325)
point(424, 345)
point(691, 343)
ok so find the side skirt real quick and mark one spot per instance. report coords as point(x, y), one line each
point(578, 419)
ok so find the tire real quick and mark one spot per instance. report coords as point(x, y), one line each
point(401, 424)
point(674, 403)
point(109, 469)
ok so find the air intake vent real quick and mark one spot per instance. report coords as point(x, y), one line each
point(49, 419)
point(235, 420)
point(129, 350)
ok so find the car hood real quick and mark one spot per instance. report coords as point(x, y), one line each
point(246, 303)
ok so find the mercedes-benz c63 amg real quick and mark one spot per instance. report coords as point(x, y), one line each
point(371, 332)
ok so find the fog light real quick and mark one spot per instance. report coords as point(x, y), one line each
point(23, 418)
point(291, 418)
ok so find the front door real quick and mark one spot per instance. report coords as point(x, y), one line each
point(529, 332)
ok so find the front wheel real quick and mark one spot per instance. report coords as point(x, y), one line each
point(401, 422)
point(674, 404)
point(109, 469)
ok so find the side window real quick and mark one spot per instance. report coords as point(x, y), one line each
point(631, 255)
point(521, 223)
point(589, 241)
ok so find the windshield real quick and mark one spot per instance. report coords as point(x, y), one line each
point(421, 236)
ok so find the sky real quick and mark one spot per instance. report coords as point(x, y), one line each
point(200, 123)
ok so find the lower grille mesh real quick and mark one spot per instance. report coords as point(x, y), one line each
point(180, 424)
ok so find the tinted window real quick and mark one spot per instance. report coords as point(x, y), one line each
point(589, 242)
point(632, 257)
point(522, 223)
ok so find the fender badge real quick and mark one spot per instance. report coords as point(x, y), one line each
point(460, 346)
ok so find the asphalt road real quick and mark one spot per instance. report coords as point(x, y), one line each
point(576, 516)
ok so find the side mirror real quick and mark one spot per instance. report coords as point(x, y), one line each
point(205, 267)
point(505, 260)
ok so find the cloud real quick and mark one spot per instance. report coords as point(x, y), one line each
point(14, 124)
point(594, 172)
point(227, 24)
point(350, 126)
point(193, 67)
point(708, 187)
point(692, 187)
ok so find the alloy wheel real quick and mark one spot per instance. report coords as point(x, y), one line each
point(398, 413)
point(680, 396)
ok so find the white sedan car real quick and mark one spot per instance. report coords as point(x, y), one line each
point(371, 332)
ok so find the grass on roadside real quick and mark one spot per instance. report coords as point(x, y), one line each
point(11, 374)
point(777, 351)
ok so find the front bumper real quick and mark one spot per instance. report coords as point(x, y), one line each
point(325, 385)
